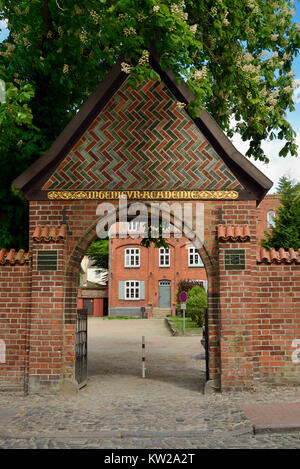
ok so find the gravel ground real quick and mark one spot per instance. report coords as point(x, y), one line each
point(119, 409)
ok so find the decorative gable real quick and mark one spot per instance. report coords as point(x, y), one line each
point(142, 140)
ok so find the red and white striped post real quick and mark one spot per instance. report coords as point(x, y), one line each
point(143, 358)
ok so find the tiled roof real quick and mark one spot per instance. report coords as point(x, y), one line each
point(49, 234)
point(233, 233)
point(278, 257)
point(12, 257)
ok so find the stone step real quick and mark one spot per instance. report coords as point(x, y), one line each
point(161, 312)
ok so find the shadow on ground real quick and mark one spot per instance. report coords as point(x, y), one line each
point(115, 351)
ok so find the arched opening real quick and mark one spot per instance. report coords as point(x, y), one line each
point(197, 251)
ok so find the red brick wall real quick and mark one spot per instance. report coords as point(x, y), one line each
point(270, 202)
point(14, 323)
point(278, 322)
point(253, 314)
point(260, 322)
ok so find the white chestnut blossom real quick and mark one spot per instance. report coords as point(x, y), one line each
point(177, 9)
point(199, 74)
point(95, 16)
point(125, 67)
point(129, 31)
point(225, 20)
point(253, 5)
point(180, 105)
point(83, 38)
point(145, 58)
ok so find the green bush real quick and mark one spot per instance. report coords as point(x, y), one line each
point(186, 285)
point(196, 304)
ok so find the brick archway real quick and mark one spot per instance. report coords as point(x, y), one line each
point(71, 285)
point(253, 327)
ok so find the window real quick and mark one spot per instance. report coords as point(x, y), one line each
point(164, 283)
point(271, 218)
point(132, 290)
point(133, 226)
point(194, 258)
point(132, 257)
point(164, 257)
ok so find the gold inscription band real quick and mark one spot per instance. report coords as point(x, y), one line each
point(141, 195)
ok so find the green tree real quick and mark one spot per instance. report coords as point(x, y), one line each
point(16, 128)
point(235, 56)
point(286, 230)
point(98, 251)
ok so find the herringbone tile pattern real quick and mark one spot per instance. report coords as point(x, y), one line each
point(142, 140)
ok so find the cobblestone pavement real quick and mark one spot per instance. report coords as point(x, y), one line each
point(118, 409)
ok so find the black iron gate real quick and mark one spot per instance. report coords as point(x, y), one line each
point(206, 346)
point(81, 348)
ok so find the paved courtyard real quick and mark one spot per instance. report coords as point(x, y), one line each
point(119, 409)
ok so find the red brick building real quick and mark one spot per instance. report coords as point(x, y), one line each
point(144, 280)
point(266, 211)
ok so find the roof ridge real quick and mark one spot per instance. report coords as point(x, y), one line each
point(234, 233)
point(282, 256)
point(49, 233)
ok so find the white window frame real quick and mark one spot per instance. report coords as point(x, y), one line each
point(271, 218)
point(192, 256)
point(132, 257)
point(164, 257)
point(132, 290)
point(133, 225)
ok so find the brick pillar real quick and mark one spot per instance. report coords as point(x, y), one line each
point(238, 312)
point(47, 316)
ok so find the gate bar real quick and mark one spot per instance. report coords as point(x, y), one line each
point(143, 358)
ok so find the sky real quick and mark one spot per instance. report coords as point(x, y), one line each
point(278, 166)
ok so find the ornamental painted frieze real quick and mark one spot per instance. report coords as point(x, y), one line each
point(142, 140)
point(142, 195)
